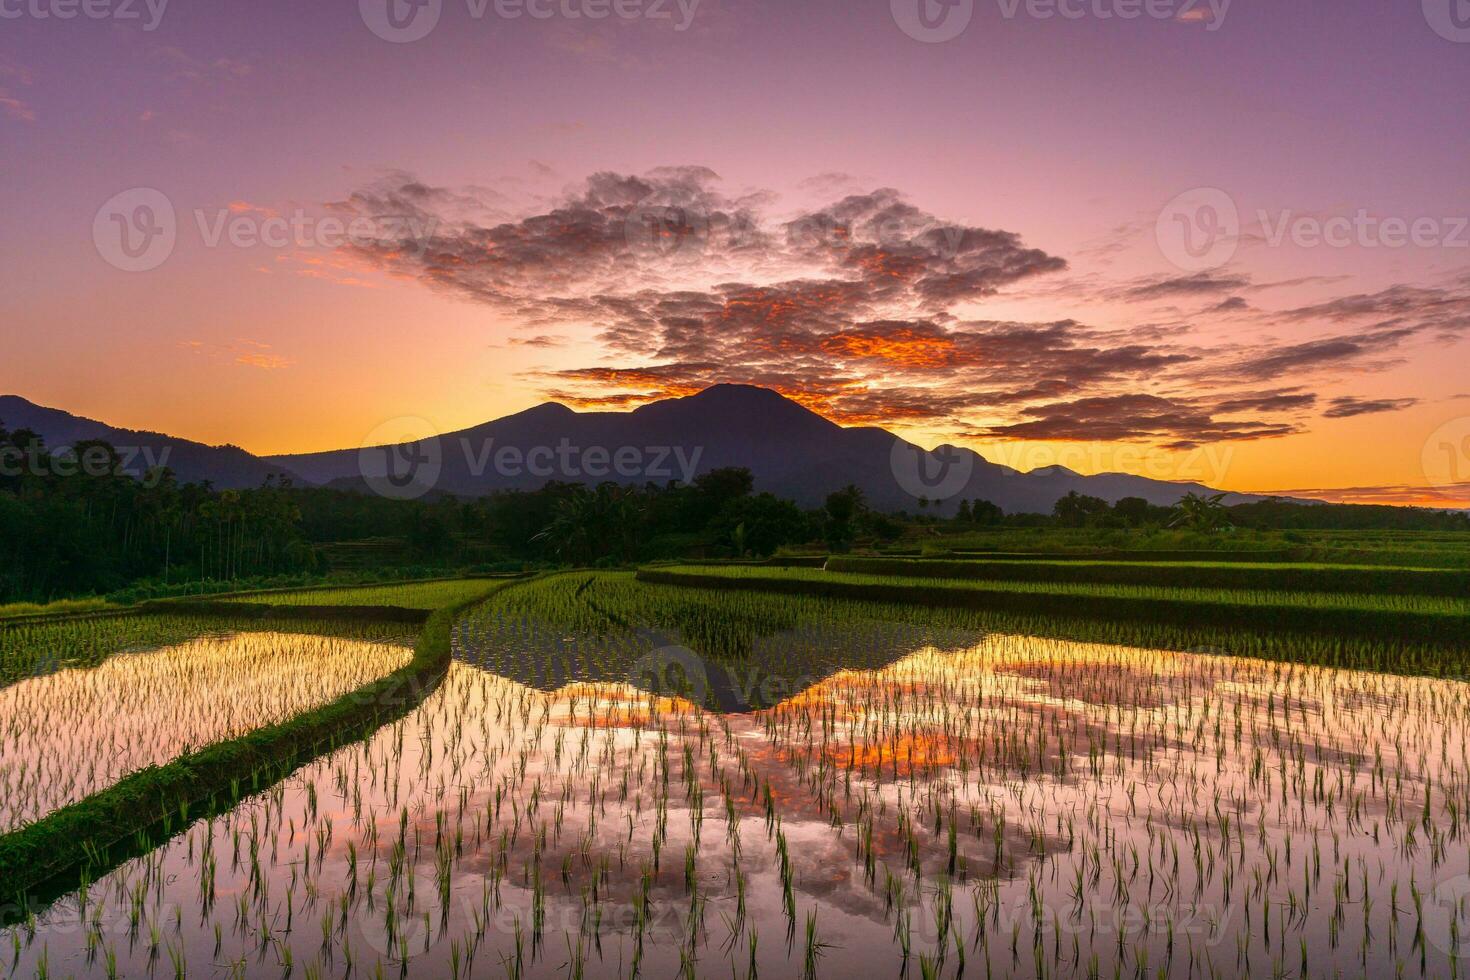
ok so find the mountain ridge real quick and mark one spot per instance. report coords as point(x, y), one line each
point(227, 467)
point(792, 451)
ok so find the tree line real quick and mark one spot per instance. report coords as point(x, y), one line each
point(68, 530)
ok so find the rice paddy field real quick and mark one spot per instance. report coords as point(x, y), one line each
point(69, 733)
point(621, 778)
point(412, 595)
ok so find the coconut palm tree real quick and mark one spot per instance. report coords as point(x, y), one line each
point(1201, 513)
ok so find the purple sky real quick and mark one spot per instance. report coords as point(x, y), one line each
point(1068, 331)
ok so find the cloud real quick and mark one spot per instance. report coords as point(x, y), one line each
point(1280, 402)
point(1454, 496)
point(1234, 304)
point(1347, 406)
point(1325, 352)
point(16, 108)
point(1173, 423)
point(1418, 309)
point(863, 306)
point(248, 353)
point(1199, 284)
point(13, 106)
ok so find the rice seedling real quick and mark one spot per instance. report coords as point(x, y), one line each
point(411, 595)
point(67, 734)
point(950, 799)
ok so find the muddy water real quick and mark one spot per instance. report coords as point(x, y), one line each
point(1002, 805)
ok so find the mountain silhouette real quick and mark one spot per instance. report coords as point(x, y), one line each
point(792, 451)
point(227, 467)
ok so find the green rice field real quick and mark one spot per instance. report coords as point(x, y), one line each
point(413, 595)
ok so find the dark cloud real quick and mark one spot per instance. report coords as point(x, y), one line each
point(1348, 406)
point(1315, 355)
point(1235, 304)
point(1175, 423)
point(1281, 402)
point(1199, 284)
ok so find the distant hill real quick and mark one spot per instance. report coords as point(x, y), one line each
point(792, 451)
point(228, 467)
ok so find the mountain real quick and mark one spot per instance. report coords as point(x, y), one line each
point(228, 467)
point(792, 451)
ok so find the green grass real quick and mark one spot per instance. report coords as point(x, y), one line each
point(730, 625)
point(59, 607)
point(1424, 549)
point(1304, 578)
point(1433, 605)
point(410, 595)
point(1390, 619)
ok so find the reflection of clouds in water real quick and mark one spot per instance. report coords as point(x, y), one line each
point(1046, 760)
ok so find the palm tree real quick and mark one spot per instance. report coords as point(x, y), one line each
point(589, 525)
point(1201, 513)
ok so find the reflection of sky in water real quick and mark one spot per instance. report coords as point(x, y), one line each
point(1043, 802)
point(70, 733)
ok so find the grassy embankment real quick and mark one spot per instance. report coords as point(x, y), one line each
point(1228, 575)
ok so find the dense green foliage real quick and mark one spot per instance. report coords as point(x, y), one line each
point(1212, 575)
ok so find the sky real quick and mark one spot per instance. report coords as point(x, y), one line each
point(1226, 243)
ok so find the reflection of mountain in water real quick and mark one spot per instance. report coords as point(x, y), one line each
point(771, 669)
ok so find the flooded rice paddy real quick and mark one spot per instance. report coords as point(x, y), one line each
point(946, 803)
point(71, 732)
